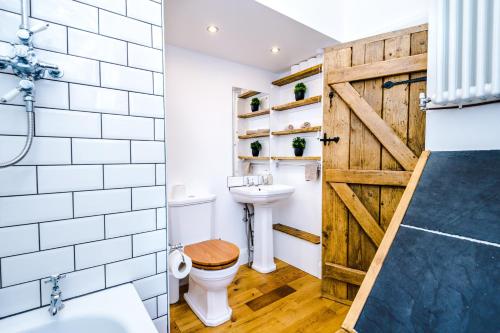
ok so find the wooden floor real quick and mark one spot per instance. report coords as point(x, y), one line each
point(287, 300)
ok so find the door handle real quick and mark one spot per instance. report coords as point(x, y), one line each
point(326, 140)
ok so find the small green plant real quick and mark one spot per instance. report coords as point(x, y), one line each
point(256, 145)
point(299, 142)
point(300, 87)
point(255, 101)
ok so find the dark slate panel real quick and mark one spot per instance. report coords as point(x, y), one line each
point(434, 283)
point(459, 193)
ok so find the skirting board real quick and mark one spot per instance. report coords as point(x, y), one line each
point(297, 252)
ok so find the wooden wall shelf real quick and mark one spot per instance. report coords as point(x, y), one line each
point(296, 104)
point(254, 114)
point(251, 136)
point(297, 233)
point(299, 75)
point(298, 130)
point(248, 93)
point(256, 158)
point(296, 158)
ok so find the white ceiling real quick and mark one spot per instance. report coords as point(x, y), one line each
point(354, 19)
point(247, 32)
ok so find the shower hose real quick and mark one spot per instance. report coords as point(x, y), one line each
point(27, 145)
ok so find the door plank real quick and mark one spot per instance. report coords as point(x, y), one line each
point(403, 65)
point(342, 273)
point(335, 214)
point(358, 242)
point(396, 116)
point(389, 139)
point(416, 118)
point(370, 177)
point(359, 211)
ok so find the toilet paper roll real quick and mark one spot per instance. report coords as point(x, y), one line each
point(179, 264)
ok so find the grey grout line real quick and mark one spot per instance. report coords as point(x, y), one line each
point(152, 94)
point(94, 59)
point(452, 236)
point(90, 31)
point(155, 163)
point(85, 138)
point(96, 266)
point(70, 298)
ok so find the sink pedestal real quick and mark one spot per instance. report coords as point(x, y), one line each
point(263, 198)
point(263, 255)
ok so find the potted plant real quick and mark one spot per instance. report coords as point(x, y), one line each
point(256, 147)
point(254, 104)
point(299, 144)
point(300, 91)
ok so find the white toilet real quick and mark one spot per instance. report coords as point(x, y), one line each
point(215, 262)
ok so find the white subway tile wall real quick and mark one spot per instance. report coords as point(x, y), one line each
point(89, 199)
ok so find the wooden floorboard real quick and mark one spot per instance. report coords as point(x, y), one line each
point(287, 300)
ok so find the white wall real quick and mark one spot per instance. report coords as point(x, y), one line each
point(470, 128)
point(199, 108)
point(353, 19)
point(303, 209)
point(89, 199)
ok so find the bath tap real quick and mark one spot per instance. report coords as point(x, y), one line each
point(56, 303)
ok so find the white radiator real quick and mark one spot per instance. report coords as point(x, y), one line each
point(464, 52)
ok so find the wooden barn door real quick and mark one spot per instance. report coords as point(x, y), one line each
point(381, 135)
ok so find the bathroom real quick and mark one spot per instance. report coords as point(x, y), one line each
point(219, 165)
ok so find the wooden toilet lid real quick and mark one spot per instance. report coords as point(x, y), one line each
point(213, 254)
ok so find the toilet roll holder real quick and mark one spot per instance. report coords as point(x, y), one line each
point(180, 247)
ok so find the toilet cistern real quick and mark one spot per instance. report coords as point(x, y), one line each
point(263, 197)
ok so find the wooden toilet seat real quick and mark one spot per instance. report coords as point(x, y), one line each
point(213, 254)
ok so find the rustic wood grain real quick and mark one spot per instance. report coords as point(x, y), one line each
point(307, 236)
point(298, 130)
point(297, 104)
point(257, 158)
point(299, 75)
point(359, 212)
point(416, 117)
point(370, 177)
point(385, 133)
point(214, 253)
point(342, 273)
point(254, 114)
point(248, 93)
point(395, 66)
point(296, 158)
point(395, 115)
point(356, 235)
point(251, 136)
point(376, 153)
point(336, 121)
point(270, 297)
point(303, 310)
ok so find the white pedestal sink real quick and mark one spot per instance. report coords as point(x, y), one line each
point(263, 198)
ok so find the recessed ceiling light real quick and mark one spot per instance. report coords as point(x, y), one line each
point(212, 29)
point(275, 49)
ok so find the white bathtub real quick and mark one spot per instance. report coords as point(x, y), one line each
point(115, 310)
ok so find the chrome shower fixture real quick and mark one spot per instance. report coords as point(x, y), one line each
point(25, 64)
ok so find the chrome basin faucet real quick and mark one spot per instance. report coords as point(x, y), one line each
point(56, 303)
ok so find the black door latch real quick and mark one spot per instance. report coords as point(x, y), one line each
point(326, 140)
point(390, 84)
